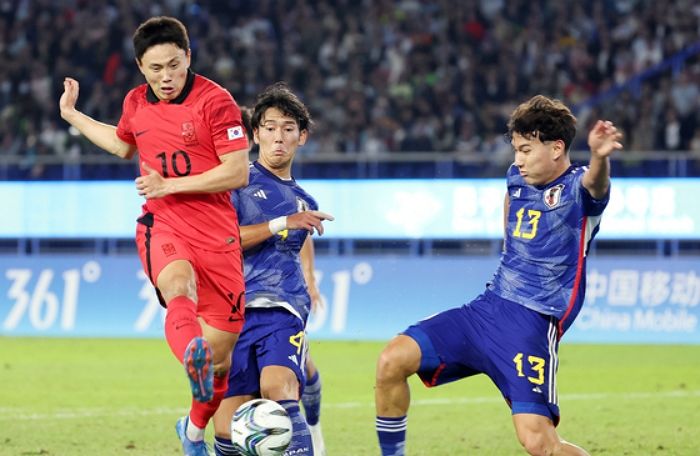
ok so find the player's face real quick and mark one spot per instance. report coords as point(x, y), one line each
point(278, 137)
point(539, 162)
point(165, 68)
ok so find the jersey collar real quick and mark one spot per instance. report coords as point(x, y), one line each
point(152, 98)
point(270, 174)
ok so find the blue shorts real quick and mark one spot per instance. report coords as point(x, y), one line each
point(270, 337)
point(515, 346)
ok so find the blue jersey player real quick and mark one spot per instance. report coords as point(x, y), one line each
point(511, 331)
point(276, 218)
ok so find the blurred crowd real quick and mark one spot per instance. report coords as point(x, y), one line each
point(378, 75)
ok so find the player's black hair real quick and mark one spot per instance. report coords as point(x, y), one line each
point(279, 96)
point(160, 30)
point(246, 115)
point(544, 118)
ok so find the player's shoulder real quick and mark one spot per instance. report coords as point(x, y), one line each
point(575, 173)
point(136, 96)
point(208, 89)
point(306, 196)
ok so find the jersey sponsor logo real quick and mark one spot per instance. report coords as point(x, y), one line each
point(552, 196)
point(294, 359)
point(189, 136)
point(234, 132)
point(139, 133)
point(516, 193)
point(260, 194)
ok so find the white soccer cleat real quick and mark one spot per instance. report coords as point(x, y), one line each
point(317, 439)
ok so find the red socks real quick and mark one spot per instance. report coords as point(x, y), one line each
point(181, 324)
point(201, 412)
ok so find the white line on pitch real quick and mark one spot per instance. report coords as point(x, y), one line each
point(17, 413)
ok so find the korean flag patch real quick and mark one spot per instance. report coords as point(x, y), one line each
point(234, 133)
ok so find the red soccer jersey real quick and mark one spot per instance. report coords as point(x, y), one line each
point(185, 137)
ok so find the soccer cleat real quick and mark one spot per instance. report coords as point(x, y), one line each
point(317, 439)
point(197, 363)
point(190, 448)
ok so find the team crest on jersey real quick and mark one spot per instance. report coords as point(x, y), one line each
point(552, 195)
point(189, 136)
point(169, 249)
point(302, 205)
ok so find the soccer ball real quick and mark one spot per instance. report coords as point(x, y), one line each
point(261, 427)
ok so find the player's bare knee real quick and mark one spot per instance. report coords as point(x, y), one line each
point(281, 390)
point(395, 363)
point(179, 286)
point(538, 444)
point(221, 369)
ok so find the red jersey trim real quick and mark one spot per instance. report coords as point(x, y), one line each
point(436, 375)
point(577, 281)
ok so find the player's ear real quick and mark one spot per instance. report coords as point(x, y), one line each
point(256, 138)
point(559, 148)
point(302, 137)
point(138, 64)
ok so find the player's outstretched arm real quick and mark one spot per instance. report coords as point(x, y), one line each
point(102, 135)
point(603, 139)
point(252, 235)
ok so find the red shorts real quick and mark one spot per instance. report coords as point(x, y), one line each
point(219, 275)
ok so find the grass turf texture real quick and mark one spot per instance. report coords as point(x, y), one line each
point(122, 397)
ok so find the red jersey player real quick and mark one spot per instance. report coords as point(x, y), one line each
point(192, 150)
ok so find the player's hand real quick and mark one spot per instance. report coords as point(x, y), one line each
point(604, 138)
point(308, 220)
point(151, 185)
point(66, 103)
point(315, 295)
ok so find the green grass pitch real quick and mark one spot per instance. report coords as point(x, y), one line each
point(78, 397)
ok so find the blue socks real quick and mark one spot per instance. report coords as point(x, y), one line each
point(392, 435)
point(301, 437)
point(224, 447)
point(312, 399)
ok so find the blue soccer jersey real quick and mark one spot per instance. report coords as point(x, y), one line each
point(548, 232)
point(272, 269)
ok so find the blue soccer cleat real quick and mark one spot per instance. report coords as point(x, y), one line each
point(189, 447)
point(198, 366)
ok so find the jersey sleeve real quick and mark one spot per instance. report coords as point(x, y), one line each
point(591, 206)
point(227, 130)
point(124, 131)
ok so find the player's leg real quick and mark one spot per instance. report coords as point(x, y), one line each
point(524, 366)
point(177, 285)
point(167, 261)
point(439, 349)
point(311, 399)
point(539, 437)
point(221, 343)
point(243, 385)
point(281, 384)
point(222, 424)
point(220, 312)
point(399, 360)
